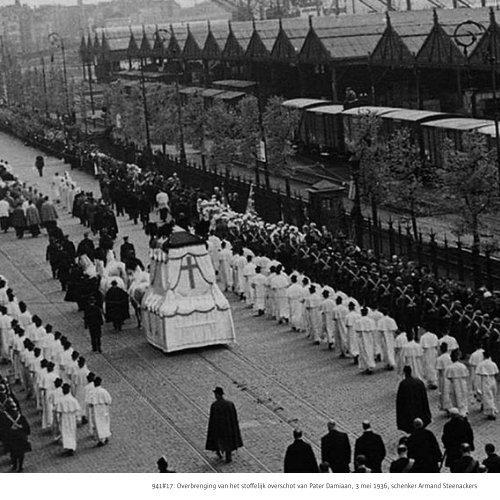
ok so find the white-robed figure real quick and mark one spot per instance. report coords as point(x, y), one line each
point(46, 385)
point(279, 284)
point(430, 345)
point(78, 382)
point(487, 371)
point(451, 342)
point(475, 358)
point(399, 342)
point(240, 263)
point(225, 271)
point(67, 409)
point(55, 188)
point(376, 315)
point(214, 244)
point(366, 329)
point(387, 329)
point(412, 354)
point(351, 319)
point(295, 294)
point(5, 327)
point(456, 389)
point(248, 274)
point(442, 362)
point(312, 314)
point(340, 312)
point(258, 285)
point(326, 309)
point(99, 401)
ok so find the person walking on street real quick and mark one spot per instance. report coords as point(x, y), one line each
point(336, 449)
point(93, 322)
point(456, 432)
point(39, 164)
point(372, 447)
point(299, 456)
point(223, 435)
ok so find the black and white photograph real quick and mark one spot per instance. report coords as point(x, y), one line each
point(251, 236)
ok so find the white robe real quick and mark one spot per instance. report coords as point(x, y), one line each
point(214, 247)
point(248, 273)
point(487, 370)
point(313, 316)
point(340, 313)
point(429, 343)
point(475, 358)
point(451, 342)
point(376, 316)
point(46, 385)
point(387, 329)
point(79, 381)
point(279, 284)
point(366, 328)
point(352, 336)
point(67, 409)
point(295, 294)
point(258, 285)
point(442, 362)
point(456, 390)
point(99, 401)
point(225, 272)
point(412, 354)
point(326, 310)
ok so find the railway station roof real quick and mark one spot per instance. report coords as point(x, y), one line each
point(395, 39)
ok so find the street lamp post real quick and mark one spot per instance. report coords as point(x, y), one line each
point(465, 36)
point(57, 41)
point(145, 105)
point(45, 96)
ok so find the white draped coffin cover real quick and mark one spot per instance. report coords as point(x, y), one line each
point(183, 307)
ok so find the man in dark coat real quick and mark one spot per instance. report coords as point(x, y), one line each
point(223, 435)
point(299, 456)
point(411, 402)
point(456, 432)
point(86, 247)
point(371, 446)
point(93, 321)
point(423, 448)
point(336, 449)
point(117, 306)
point(127, 250)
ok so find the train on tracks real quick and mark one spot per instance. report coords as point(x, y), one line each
point(325, 128)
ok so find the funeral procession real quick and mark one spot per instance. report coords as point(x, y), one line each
point(250, 236)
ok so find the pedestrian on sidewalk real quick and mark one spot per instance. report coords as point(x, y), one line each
point(223, 434)
point(39, 164)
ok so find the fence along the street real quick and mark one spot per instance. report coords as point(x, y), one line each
point(447, 260)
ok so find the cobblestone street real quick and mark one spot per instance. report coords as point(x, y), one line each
point(277, 378)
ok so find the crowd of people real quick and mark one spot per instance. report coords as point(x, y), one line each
point(386, 311)
point(40, 361)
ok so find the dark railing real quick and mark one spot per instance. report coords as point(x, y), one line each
point(450, 259)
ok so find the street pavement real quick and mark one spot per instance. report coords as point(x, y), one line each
point(277, 379)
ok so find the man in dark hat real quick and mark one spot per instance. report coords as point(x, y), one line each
point(299, 456)
point(223, 433)
point(93, 319)
point(411, 402)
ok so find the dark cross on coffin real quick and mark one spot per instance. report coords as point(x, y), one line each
point(190, 265)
